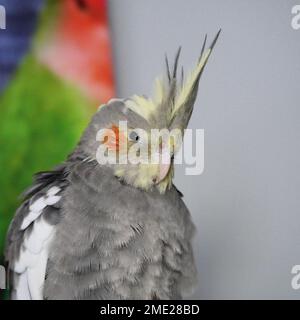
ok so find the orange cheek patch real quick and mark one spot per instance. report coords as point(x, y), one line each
point(114, 138)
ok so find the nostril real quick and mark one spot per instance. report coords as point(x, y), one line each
point(154, 180)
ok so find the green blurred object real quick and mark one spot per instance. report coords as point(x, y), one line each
point(41, 119)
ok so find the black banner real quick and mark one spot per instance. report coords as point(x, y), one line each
point(190, 309)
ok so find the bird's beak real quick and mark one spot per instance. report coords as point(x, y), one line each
point(164, 164)
point(163, 171)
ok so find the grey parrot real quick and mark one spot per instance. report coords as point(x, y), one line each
point(88, 230)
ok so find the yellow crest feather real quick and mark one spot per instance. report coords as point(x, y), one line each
point(188, 84)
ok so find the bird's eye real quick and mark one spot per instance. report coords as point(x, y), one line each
point(133, 136)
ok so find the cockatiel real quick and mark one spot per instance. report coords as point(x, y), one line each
point(110, 231)
point(54, 74)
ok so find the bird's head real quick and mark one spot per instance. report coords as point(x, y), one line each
point(139, 136)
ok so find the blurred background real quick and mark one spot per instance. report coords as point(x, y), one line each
point(60, 59)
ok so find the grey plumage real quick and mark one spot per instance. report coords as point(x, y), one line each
point(113, 241)
point(116, 241)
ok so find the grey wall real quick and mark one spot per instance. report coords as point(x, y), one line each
point(246, 203)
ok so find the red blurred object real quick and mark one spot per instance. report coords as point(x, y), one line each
point(79, 49)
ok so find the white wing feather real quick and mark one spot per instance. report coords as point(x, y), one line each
point(32, 263)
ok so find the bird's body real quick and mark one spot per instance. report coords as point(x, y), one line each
point(93, 230)
point(128, 243)
point(106, 240)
